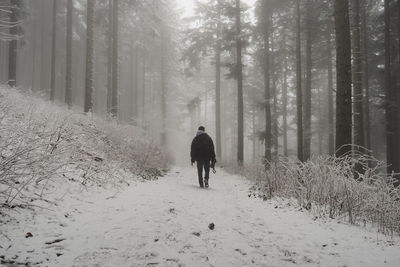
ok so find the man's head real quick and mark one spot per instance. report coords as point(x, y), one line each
point(201, 128)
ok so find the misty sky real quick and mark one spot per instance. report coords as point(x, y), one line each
point(188, 5)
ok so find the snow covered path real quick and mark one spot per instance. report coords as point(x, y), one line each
point(165, 223)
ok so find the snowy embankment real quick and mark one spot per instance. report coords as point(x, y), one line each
point(45, 148)
point(42, 143)
point(166, 223)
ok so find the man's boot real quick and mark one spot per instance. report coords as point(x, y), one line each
point(206, 182)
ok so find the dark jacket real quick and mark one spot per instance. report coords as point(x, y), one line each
point(202, 148)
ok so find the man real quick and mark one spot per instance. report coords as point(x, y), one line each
point(202, 151)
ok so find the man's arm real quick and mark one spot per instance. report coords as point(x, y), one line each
point(192, 151)
point(212, 152)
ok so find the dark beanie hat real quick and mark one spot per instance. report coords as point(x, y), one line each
point(201, 128)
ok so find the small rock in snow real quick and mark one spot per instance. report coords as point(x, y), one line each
point(211, 226)
point(196, 233)
point(29, 234)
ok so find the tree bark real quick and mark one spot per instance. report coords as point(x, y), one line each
point(68, 84)
point(218, 86)
point(240, 155)
point(285, 103)
point(331, 126)
point(343, 70)
point(34, 50)
point(398, 93)
point(365, 57)
point(109, 56)
point(267, 85)
point(274, 92)
point(115, 59)
point(299, 91)
point(53, 52)
point(358, 78)
point(89, 56)
point(12, 53)
point(163, 80)
point(144, 65)
point(308, 84)
point(391, 97)
point(254, 140)
point(135, 85)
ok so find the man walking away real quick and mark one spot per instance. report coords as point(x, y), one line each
point(202, 151)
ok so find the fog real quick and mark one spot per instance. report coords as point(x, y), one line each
point(168, 67)
point(199, 132)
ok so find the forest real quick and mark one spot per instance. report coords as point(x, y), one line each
point(301, 97)
point(268, 78)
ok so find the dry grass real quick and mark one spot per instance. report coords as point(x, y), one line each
point(329, 187)
point(40, 143)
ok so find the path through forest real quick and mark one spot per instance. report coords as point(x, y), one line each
point(165, 223)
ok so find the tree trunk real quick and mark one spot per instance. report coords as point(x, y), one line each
point(44, 48)
point(53, 52)
point(135, 85)
point(267, 85)
point(285, 103)
point(163, 80)
point(144, 64)
point(343, 70)
point(391, 96)
point(109, 56)
point(331, 135)
point(34, 50)
point(364, 52)
point(132, 80)
point(253, 122)
point(275, 130)
point(218, 86)
point(114, 93)
point(68, 84)
point(89, 56)
point(398, 94)
point(308, 84)
point(320, 122)
point(12, 54)
point(299, 91)
point(358, 78)
point(239, 66)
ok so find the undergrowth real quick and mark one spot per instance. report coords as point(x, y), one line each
point(41, 142)
point(330, 187)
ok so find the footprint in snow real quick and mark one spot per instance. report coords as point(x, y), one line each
point(241, 251)
point(148, 256)
point(172, 211)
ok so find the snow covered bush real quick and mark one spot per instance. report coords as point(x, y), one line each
point(329, 187)
point(40, 142)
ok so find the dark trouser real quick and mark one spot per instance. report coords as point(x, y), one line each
point(206, 165)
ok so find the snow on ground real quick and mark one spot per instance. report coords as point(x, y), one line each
point(165, 223)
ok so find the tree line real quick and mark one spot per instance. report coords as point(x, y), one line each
point(329, 73)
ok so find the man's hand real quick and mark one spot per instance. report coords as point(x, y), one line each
point(213, 161)
point(192, 161)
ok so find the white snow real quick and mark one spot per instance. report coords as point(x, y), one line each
point(165, 223)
